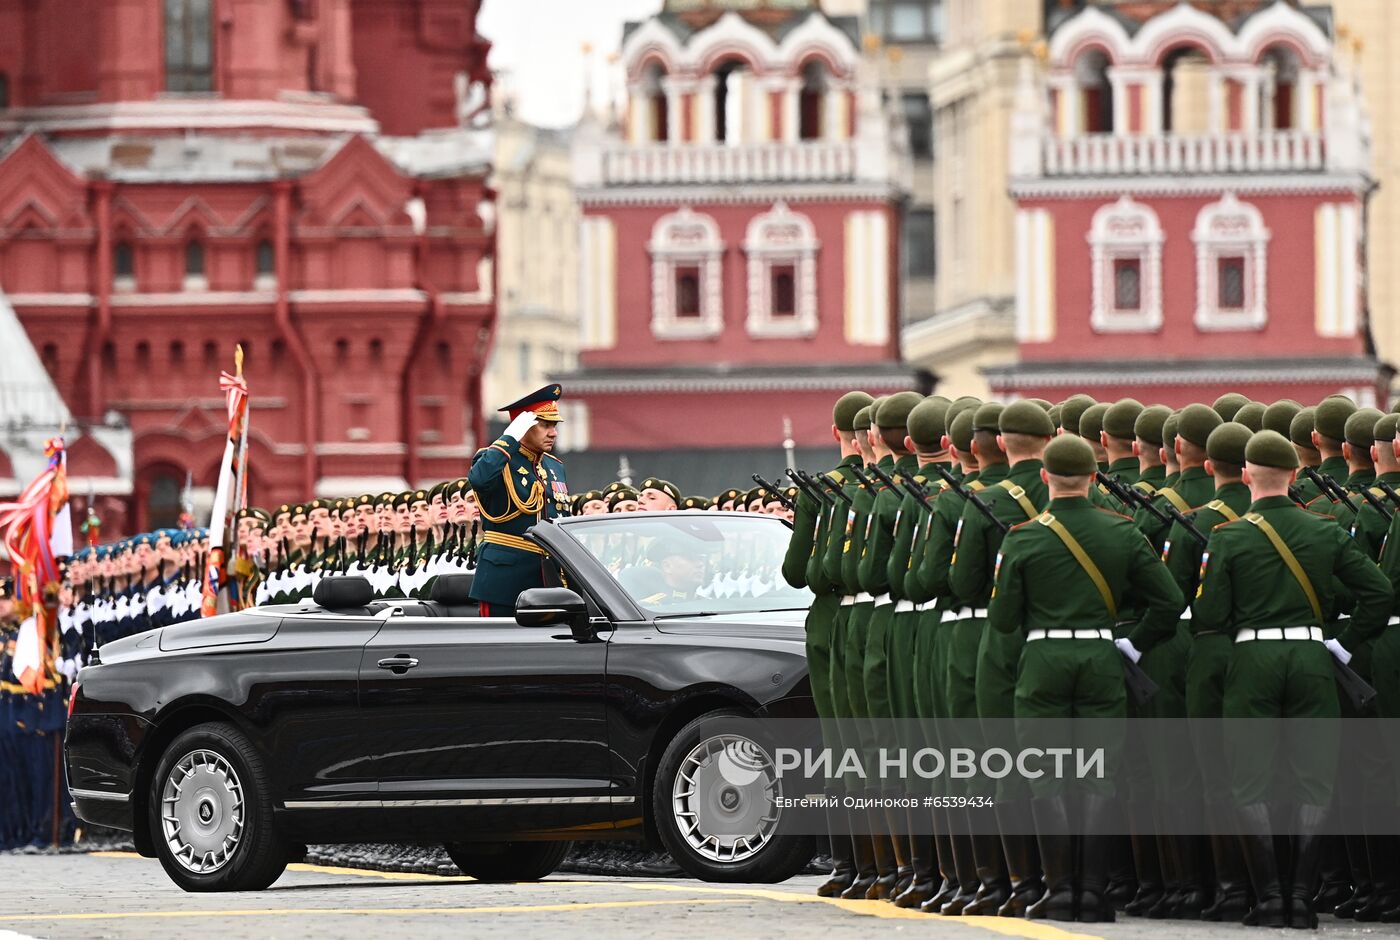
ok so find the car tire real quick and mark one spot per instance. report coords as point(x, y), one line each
point(210, 813)
point(684, 809)
point(507, 861)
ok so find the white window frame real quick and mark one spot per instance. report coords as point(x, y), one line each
point(781, 237)
point(686, 238)
point(1126, 230)
point(1224, 229)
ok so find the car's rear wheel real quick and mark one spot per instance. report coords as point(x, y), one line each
point(507, 861)
point(210, 813)
point(715, 803)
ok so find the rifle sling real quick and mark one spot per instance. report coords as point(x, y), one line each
point(1085, 562)
point(1289, 559)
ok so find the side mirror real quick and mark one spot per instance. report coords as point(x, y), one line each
point(554, 606)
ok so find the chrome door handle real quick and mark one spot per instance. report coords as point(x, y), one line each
point(398, 663)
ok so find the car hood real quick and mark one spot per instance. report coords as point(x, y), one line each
point(773, 624)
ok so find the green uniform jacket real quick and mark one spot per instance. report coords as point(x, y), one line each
point(1194, 488)
point(974, 554)
point(1334, 467)
point(1040, 584)
point(515, 489)
point(1245, 584)
point(1125, 469)
point(1182, 552)
point(1369, 527)
point(886, 517)
point(932, 568)
point(1340, 511)
point(845, 521)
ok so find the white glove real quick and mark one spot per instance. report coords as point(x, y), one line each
point(521, 423)
point(1128, 649)
point(1338, 650)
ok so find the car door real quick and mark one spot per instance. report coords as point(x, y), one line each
point(483, 724)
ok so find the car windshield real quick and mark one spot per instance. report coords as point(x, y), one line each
point(692, 563)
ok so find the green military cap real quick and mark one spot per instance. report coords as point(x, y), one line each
point(1385, 429)
point(927, 424)
point(403, 499)
point(299, 509)
point(1395, 408)
point(1301, 427)
point(875, 407)
point(1091, 422)
point(621, 494)
point(1121, 417)
point(664, 486)
point(1025, 417)
point(695, 502)
point(1330, 417)
point(1227, 442)
point(1171, 429)
point(961, 404)
point(614, 486)
point(1251, 415)
point(844, 414)
point(1070, 456)
point(1229, 403)
point(987, 417)
point(386, 499)
point(1072, 409)
point(960, 430)
point(1271, 449)
point(894, 410)
point(1196, 423)
point(861, 422)
point(1360, 428)
point(757, 493)
point(1150, 423)
point(1044, 405)
point(730, 494)
point(589, 496)
point(1054, 414)
point(438, 490)
point(318, 503)
point(1279, 416)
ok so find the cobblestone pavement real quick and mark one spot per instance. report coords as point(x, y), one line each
point(121, 895)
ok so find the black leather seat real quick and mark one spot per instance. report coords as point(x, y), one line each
point(454, 590)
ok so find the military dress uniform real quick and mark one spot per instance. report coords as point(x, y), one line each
point(516, 488)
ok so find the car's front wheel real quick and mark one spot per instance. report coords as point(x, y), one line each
point(211, 813)
point(715, 802)
point(507, 861)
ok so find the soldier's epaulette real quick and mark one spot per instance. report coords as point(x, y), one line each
point(920, 479)
point(1113, 512)
point(1221, 525)
point(1022, 525)
point(555, 459)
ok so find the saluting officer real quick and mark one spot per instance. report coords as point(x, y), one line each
point(518, 482)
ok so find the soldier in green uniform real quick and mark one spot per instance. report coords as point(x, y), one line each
point(1060, 579)
point(658, 495)
point(1091, 429)
point(1280, 665)
point(1328, 435)
point(1118, 437)
point(1072, 409)
point(1021, 431)
point(518, 482)
point(811, 527)
point(1384, 903)
point(951, 641)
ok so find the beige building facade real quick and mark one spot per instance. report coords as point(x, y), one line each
point(536, 263)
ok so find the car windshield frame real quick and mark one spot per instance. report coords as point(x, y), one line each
point(754, 552)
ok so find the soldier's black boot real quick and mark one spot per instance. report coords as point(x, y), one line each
point(1146, 861)
point(924, 861)
point(1122, 877)
point(843, 868)
point(993, 885)
point(1023, 867)
point(1336, 876)
point(1231, 882)
point(1307, 855)
point(1360, 866)
point(1191, 902)
point(1056, 858)
point(1384, 853)
point(863, 854)
point(899, 844)
point(1257, 844)
point(885, 861)
point(964, 881)
point(1094, 905)
point(947, 866)
point(1168, 860)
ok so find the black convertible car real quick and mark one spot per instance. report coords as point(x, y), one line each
point(604, 710)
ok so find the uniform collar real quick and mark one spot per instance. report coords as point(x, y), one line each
point(1124, 465)
point(1392, 477)
point(993, 474)
point(1334, 467)
point(1361, 477)
point(907, 465)
point(1192, 473)
point(1026, 469)
point(1232, 489)
point(1156, 475)
point(1060, 503)
point(529, 454)
point(1271, 502)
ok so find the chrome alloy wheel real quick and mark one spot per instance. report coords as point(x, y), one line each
point(724, 798)
point(201, 811)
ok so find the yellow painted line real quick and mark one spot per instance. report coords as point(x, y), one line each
point(394, 911)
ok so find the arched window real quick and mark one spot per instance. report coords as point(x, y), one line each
point(1095, 93)
point(123, 266)
point(194, 266)
point(143, 354)
point(189, 46)
point(1231, 266)
point(810, 101)
point(376, 349)
point(49, 354)
point(686, 252)
point(265, 265)
point(781, 249)
point(211, 353)
point(731, 95)
point(278, 350)
point(1125, 242)
point(1278, 83)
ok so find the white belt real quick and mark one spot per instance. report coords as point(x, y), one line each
point(978, 612)
point(1066, 634)
point(884, 600)
point(1279, 633)
point(863, 598)
point(848, 601)
point(903, 606)
point(1186, 614)
point(922, 607)
point(949, 616)
point(1392, 621)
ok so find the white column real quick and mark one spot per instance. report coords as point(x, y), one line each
point(834, 111)
point(1070, 98)
point(638, 115)
point(1306, 105)
point(705, 110)
point(792, 110)
point(1215, 97)
point(734, 107)
point(1117, 80)
point(1152, 102)
point(675, 100)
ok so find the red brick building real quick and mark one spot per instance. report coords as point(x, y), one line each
point(299, 176)
point(1191, 186)
point(739, 243)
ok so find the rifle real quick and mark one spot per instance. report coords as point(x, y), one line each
point(823, 480)
point(773, 491)
point(920, 495)
point(1139, 684)
point(1329, 488)
point(1296, 495)
point(970, 496)
point(806, 486)
point(1361, 693)
point(1389, 491)
point(884, 478)
point(1376, 504)
point(1127, 495)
